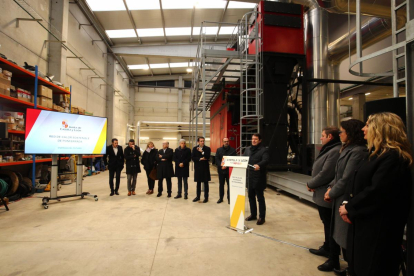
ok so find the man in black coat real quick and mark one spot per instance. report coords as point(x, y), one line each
point(115, 164)
point(201, 156)
point(165, 167)
point(223, 172)
point(182, 159)
point(259, 158)
point(132, 154)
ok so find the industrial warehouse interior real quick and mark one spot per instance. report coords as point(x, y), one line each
point(206, 137)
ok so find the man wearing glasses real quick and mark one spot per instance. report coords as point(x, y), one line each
point(223, 172)
point(165, 167)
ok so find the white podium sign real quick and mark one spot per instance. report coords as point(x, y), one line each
point(237, 175)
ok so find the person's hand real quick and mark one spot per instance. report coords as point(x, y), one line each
point(202, 159)
point(181, 165)
point(256, 167)
point(199, 149)
point(132, 147)
point(342, 210)
point(163, 159)
point(309, 189)
point(326, 197)
point(346, 219)
point(159, 155)
point(223, 168)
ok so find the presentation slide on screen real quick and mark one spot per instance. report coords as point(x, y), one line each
point(50, 132)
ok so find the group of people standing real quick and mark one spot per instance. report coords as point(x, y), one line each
point(361, 181)
point(162, 161)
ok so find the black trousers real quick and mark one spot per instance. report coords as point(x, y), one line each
point(160, 186)
point(326, 216)
point(151, 182)
point(259, 193)
point(206, 189)
point(223, 179)
point(180, 185)
point(117, 173)
point(336, 251)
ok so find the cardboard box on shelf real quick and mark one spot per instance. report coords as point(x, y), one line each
point(5, 89)
point(75, 110)
point(24, 95)
point(11, 114)
point(58, 108)
point(5, 79)
point(11, 126)
point(44, 91)
point(7, 73)
point(81, 111)
point(43, 101)
point(20, 124)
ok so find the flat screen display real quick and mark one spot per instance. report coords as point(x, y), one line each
point(50, 132)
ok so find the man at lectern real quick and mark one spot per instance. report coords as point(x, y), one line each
point(256, 177)
point(115, 164)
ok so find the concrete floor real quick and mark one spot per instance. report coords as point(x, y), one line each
point(146, 235)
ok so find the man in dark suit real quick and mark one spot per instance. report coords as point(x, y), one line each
point(165, 167)
point(115, 164)
point(258, 158)
point(223, 172)
point(182, 159)
point(201, 156)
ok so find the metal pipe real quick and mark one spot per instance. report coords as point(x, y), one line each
point(316, 46)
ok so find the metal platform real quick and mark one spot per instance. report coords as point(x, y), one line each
point(293, 183)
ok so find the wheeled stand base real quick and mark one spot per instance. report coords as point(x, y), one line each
point(245, 231)
point(45, 200)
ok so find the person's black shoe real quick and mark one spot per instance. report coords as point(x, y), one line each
point(111, 194)
point(196, 199)
point(116, 192)
point(159, 194)
point(250, 218)
point(185, 197)
point(205, 200)
point(341, 272)
point(169, 195)
point(219, 201)
point(260, 221)
point(178, 196)
point(329, 265)
point(320, 252)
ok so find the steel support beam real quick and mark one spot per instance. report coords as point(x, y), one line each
point(131, 19)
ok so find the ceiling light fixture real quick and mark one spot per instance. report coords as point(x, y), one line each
point(106, 5)
point(169, 138)
point(351, 98)
point(138, 67)
point(120, 33)
point(142, 5)
point(143, 138)
point(178, 31)
point(366, 94)
point(151, 32)
point(189, 70)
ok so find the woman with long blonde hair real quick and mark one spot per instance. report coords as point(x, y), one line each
point(378, 199)
point(148, 161)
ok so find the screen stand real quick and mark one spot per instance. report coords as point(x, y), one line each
point(54, 183)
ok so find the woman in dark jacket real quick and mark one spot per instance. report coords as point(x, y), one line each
point(131, 155)
point(378, 199)
point(182, 158)
point(148, 161)
point(352, 152)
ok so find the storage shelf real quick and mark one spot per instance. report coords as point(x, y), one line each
point(19, 72)
point(11, 100)
point(91, 156)
point(4, 164)
point(16, 131)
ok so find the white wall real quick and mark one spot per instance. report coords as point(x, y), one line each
point(26, 43)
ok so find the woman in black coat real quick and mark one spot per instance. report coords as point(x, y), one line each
point(148, 161)
point(378, 199)
point(182, 158)
point(131, 155)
